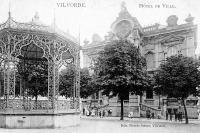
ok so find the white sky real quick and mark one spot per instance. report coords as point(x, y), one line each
point(98, 15)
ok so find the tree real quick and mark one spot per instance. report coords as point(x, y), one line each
point(178, 77)
point(66, 82)
point(34, 74)
point(67, 79)
point(121, 69)
point(87, 85)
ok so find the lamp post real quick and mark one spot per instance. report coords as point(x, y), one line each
point(198, 103)
point(159, 101)
point(164, 53)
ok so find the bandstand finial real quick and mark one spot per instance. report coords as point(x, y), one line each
point(36, 17)
point(123, 6)
point(9, 12)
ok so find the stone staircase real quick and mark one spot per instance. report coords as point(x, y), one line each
point(103, 106)
point(144, 108)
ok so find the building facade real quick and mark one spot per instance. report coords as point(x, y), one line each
point(156, 42)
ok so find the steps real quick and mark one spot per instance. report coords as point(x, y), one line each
point(144, 108)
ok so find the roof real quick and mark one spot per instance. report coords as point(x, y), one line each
point(153, 30)
point(125, 15)
point(35, 25)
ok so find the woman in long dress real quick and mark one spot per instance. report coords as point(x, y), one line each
point(198, 112)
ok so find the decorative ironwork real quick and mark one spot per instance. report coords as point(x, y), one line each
point(39, 105)
point(72, 104)
point(16, 36)
point(12, 83)
point(51, 93)
point(32, 105)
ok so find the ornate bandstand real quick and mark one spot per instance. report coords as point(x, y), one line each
point(35, 42)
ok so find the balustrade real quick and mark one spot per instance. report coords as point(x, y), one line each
point(28, 105)
point(151, 109)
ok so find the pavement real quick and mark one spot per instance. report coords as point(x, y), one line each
point(136, 125)
point(115, 125)
point(191, 121)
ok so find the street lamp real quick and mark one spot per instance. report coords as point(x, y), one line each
point(164, 53)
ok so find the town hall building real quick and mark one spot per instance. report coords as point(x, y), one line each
point(156, 42)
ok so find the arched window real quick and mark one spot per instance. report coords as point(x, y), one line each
point(172, 51)
point(150, 59)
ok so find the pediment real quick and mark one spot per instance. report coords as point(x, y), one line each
point(150, 52)
point(149, 47)
point(172, 38)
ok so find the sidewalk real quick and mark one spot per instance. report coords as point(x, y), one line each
point(191, 121)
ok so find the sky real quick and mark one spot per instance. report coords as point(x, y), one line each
point(97, 15)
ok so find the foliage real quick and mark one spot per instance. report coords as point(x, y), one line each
point(67, 80)
point(34, 76)
point(87, 84)
point(178, 77)
point(121, 69)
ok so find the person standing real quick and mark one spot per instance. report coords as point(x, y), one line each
point(110, 112)
point(83, 110)
point(130, 115)
point(180, 114)
point(152, 115)
point(148, 114)
point(100, 114)
point(175, 114)
point(104, 112)
point(198, 112)
point(167, 113)
point(87, 113)
point(92, 112)
point(170, 115)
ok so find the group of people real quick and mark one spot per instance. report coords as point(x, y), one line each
point(97, 113)
point(149, 114)
point(176, 114)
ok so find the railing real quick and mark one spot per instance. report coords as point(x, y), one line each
point(125, 102)
point(144, 107)
point(151, 28)
point(28, 105)
point(103, 106)
point(149, 101)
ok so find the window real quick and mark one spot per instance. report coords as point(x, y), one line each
point(149, 94)
point(191, 102)
point(97, 95)
point(172, 51)
point(150, 58)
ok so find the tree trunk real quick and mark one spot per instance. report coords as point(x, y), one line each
point(140, 102)
point(36, 99)
point(186, 116)
point(140, 99)
point(122, 109)
point(159, 101)
point(0, 84)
